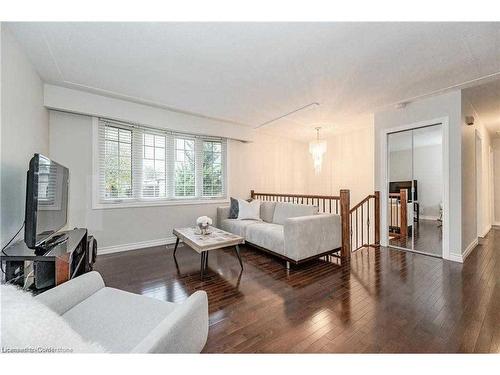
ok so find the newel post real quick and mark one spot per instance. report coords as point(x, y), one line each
point(403, 203)
point(377, 218)
point(345, 207)
point(252, 194)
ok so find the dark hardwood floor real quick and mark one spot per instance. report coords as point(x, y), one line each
point(385, 301)
point(428, 238)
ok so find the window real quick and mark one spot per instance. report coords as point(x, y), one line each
point(212, 168)
point(118, 162)
point(184, 167)
point(141, 165)
point(154, 173)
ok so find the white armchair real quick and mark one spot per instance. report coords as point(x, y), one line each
point(124, 322)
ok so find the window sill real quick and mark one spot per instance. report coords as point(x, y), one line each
point(137, 204)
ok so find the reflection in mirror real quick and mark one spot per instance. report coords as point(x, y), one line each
point(428, 172)
point(400, 212)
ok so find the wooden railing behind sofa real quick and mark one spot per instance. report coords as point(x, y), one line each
point(339, 205)
point(398, 214)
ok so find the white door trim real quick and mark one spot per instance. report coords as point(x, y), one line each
point(444, 121)
point(478, 174)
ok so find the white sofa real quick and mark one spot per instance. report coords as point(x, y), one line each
point(294, 232)
point(83, 315)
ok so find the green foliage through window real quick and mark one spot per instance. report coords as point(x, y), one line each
point(212, 168)
point(118, 162)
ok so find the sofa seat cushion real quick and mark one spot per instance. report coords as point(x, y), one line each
point(116, 319)
point(267, 235)
point(236, 226)
point(284, 211)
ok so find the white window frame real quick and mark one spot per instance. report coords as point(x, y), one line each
point(98, 203)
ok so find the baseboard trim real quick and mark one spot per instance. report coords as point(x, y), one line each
point(455, 258)
point(460, 258)
point(485, 231)
point(496, 224)
point(469, 249)
point(434, 218)
point(135, 245)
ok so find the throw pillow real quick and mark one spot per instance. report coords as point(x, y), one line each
point(233, 209)
point(248, 210)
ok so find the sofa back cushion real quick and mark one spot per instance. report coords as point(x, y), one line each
point(284, 211)
point(267, 211)
point(248, 210)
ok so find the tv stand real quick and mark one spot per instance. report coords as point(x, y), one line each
point(53, 241)
point(60, 260)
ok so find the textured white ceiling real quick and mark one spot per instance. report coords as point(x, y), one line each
point(485, 99)
point(252, 72)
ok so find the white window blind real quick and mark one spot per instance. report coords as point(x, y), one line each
point(154, 165)
point(138, 163)
point(184, 167)
point(212, 168)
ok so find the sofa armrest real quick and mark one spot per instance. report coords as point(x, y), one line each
point(222, 213)
point(65, 296)
point(307, 236)
point(185, 330)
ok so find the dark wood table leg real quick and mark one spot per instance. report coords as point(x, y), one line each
point(237, 249)
point(176, 244)
point(202, 265)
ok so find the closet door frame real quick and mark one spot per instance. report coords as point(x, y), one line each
point(384, 188)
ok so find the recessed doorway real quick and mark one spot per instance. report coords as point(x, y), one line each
point(415, 190)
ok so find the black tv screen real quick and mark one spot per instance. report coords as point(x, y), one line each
point(46, 200)
point(396, 186)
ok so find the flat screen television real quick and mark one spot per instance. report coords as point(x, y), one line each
point(46, 201)
point(396, 186)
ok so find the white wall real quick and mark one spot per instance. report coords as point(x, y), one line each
point(484, 195)
point(448, 106)
point(269, 164)
point(347, 164)
point(470, 213)
point(427, 170)
point(496, 179)
point(24, 129)
point(77, 101)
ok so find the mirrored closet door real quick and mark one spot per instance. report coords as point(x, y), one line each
point(415, 187)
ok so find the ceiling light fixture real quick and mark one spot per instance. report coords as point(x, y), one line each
point(317, 149)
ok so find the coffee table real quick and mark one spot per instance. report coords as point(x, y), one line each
point(217, 239)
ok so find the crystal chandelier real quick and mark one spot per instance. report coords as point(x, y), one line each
point(317, 148)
